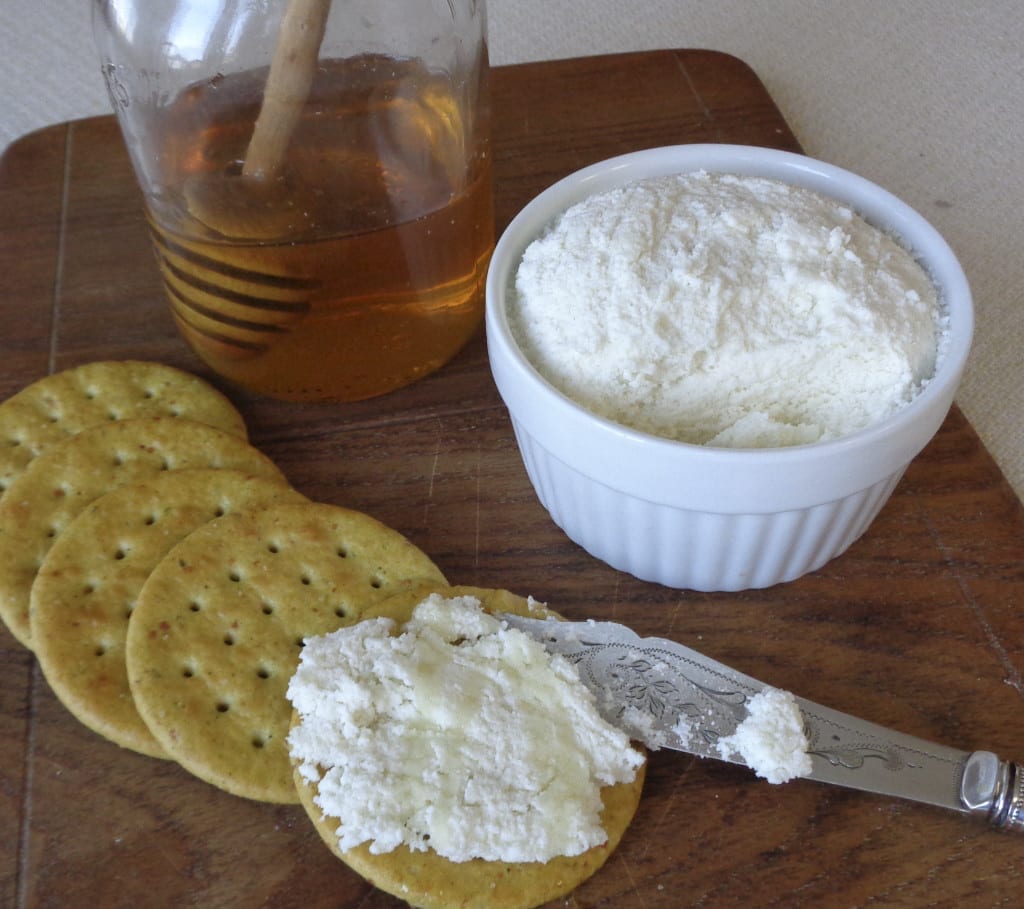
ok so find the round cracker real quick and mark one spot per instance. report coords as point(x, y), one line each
point(216, 632)
point(429, 881)
point(64, 479)
point(64, 403)
point(88, 584)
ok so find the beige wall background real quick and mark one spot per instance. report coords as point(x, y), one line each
point(925, 97)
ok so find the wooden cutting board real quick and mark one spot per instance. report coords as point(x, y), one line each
point(919, 626)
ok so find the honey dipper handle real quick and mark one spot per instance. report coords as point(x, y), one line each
point(288, 84)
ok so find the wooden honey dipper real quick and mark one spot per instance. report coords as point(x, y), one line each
point(259, 203)
point(288, 84)
point(227, 301)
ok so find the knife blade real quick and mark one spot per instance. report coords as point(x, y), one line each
point(667, 695)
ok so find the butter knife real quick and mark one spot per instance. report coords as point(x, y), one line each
point(666, 695)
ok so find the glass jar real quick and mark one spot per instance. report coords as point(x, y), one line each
point(317, 177)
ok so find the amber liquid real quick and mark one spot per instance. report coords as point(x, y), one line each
point(359, 268)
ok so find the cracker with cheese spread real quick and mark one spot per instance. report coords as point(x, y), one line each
point(452, 761)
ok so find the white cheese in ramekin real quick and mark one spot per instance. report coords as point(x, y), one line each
point(726, 310)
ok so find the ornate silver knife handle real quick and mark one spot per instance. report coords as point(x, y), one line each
point(995, 789)
point(667, 695)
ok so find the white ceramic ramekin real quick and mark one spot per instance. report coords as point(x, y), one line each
point(705, 518)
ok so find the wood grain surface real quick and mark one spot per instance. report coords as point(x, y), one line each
point(918, 626)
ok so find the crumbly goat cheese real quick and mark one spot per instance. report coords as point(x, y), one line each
point(771, 739)
point(458, 734)
point(727, 310)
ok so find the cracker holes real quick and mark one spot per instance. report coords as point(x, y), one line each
point(263, 672)
point(273, 548)
point(100, 649)
point(88, 588)
point(223, 706)
point(120, 553)
point(260, 739)
point(150, 519)
point(219, 511)
point(235, 576)
point(340, 611)
point(63, 490)
point(195, 606)
point(306, 580)
point(188, 671)
point(376, 582)
point(342, 552)
point(229, 639)
point(267, 608)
